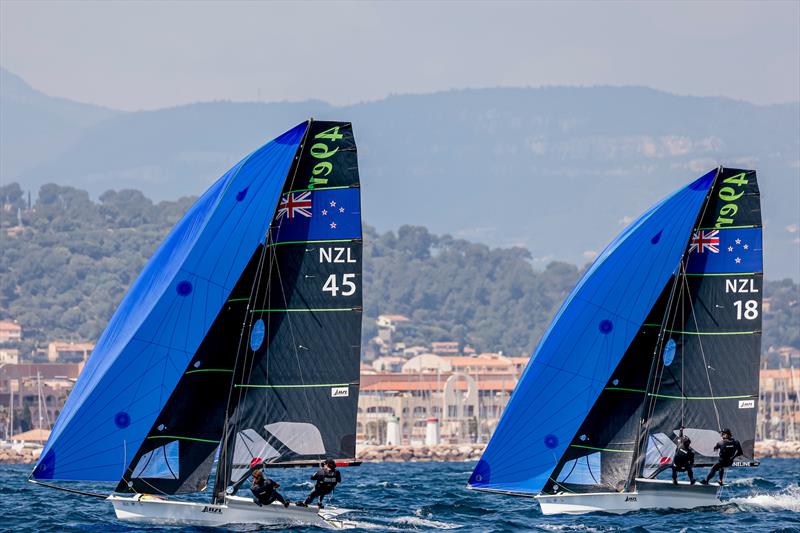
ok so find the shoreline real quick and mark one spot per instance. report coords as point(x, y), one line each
point(446, 453)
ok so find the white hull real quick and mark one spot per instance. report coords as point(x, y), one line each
point(649, 494)
point(236, 510)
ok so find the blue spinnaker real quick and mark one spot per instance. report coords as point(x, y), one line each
point(164, 317)
point(585, 342)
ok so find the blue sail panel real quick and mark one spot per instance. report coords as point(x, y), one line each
point(164, 317)
point(584, 344)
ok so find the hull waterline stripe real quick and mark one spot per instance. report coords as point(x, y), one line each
point(297, 386)
point(175, 437)
point(673, 397)
point(599, 449)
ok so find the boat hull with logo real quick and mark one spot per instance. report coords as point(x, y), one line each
point(147, 509)
point(649, 494)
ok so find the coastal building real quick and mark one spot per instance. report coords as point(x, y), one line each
point(779, 404)
point(458, 399)
point(10, 331)
point(69, 352)
point(9, 356)
point(388, 363)
point(39, 392)
point(445, 348)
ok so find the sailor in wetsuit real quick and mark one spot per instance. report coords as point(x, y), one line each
point(265, 490)
point(729, 449)
point(327, 478)
point(683, 461)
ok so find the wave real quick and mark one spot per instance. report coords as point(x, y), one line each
point(570, 527)
point(753, 482)
point(418, 521)
point(787, 499)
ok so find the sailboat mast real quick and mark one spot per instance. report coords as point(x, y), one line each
point(39, 396)
point(223, 464)
point(656, 366)
point(11, 408)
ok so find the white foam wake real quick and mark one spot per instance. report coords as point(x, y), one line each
point(787, 499)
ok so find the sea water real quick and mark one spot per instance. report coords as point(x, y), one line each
point(431, 496)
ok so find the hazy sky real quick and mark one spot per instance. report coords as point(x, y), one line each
point(144, 55)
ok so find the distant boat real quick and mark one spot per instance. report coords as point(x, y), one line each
point(660, 338)
point(240, 339)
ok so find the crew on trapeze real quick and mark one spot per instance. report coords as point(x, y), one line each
point(683, 461)
point(729, 449)
point(327, 477)
point(265, 490)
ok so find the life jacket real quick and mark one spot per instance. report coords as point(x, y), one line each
point(683, 457)
point(727, 449)
point(328, 479)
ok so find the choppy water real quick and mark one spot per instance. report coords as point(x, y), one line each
point(431, 496)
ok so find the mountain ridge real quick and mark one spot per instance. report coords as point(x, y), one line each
point(503, 166)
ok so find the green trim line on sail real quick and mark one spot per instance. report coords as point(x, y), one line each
point(238, 300)
point(732, 227)
point(701, 274)
point(599, 449)
point(176, 437)
point(209, 370)
point(319, 189)
point(329, 310)
point(311, 242)
point(679, 332)
point(293, 386)
point(673, 397)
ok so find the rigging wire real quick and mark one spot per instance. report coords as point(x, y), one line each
point(270, 252)
point(657, 362)
point(705, 364)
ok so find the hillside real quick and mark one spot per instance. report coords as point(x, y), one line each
point(35, 126)
point(64, 272)
point(556, 170)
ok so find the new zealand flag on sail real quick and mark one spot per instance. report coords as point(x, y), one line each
point(722, 251)
point(318, 215)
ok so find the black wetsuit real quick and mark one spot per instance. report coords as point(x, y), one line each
point(729, 449)
point(326, 479)
point(266, 492)
point(683, 461)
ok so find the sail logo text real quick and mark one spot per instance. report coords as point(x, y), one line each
point(730, 195)
point(630, 498)
point(208, 509)
point(340, 392)
point(336, 255)
point(740, 285)
point(747, 404)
